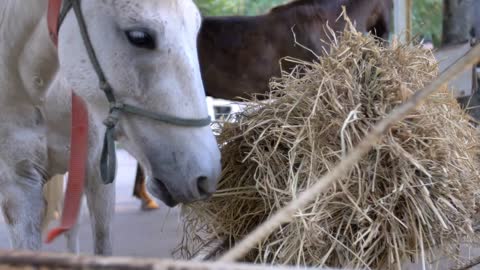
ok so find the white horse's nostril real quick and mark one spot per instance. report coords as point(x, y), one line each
point(203, 185)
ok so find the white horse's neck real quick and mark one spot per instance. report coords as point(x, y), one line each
point(27, 56)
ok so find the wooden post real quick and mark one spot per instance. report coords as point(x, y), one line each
point(402, 12)
point(408, 18)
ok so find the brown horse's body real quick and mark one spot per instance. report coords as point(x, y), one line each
point(239, 54)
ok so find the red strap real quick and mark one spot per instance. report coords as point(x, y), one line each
point(78, 143)
point(77, 169)
point(53, 15)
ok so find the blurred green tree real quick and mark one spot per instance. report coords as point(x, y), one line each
point(236, 7)
point(427, 18)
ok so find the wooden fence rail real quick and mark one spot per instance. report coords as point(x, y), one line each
point(23, 260)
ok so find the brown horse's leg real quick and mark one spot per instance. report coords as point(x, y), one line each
point(140, 191)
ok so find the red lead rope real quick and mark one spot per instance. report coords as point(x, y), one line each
point(54, 7)
point(78, 144)
point(77, 169)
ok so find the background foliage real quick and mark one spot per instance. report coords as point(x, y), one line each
point(427, 19)
point(427, 14)
point(236, 7)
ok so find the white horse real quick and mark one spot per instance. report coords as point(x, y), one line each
point(147, 52)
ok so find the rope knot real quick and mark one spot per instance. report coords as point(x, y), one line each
point(111, 121)
point(112, 118)
point(116, 106)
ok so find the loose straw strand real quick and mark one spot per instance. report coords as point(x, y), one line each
point(286, 214)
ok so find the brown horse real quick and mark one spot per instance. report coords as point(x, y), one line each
point(239, 54)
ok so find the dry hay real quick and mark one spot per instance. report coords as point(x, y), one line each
point(415, 191)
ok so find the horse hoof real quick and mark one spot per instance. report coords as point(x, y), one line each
point(149, 205)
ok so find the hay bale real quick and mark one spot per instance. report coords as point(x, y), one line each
point(416, 191)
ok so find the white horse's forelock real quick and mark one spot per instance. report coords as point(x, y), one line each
point(182, 162)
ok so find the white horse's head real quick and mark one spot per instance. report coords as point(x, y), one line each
point(147, 50)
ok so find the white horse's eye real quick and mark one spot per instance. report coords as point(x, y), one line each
point(141, 39)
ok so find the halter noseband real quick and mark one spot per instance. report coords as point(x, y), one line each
point(108, 162)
